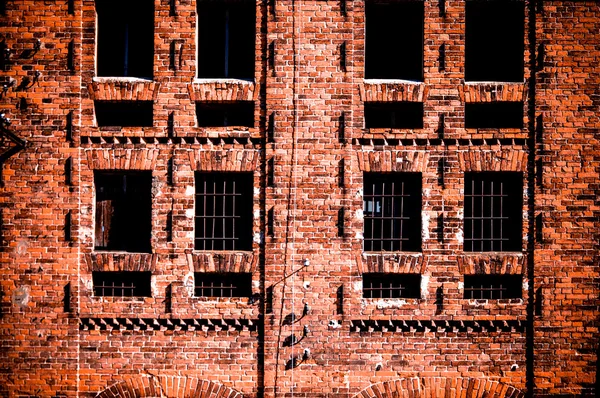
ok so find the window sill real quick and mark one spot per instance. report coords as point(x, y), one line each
point(392, 262)
point(392, 90)
point(223, 90)
point(493, 91)
point(119, 79)
point(470, 263)
point(123, 89)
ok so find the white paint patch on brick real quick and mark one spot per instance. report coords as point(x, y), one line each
point(189, 190)
point(426, 218)
point(390, 303)
point(359, 214)
point(189, 213)
point(424, 286)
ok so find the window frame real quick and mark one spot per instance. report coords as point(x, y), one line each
point(480, 227)
point(233, 282)
point(400, 286)
point(240, 235)
point(139, 283)
point(508, 285)
point(376, 181)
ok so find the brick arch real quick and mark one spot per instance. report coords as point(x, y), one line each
point(146, 386)
point(440, 387)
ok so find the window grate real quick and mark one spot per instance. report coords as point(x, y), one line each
point(493, 203)
point(122, 284)
point(392, 212)
point(224, 211)
point(493, 287)
point(384, 285)
point(227, 284)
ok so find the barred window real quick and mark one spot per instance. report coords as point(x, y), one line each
point(493, 211)
point(224, 211)
point(392, 212)
point(225, 284)
point(493, 287)
point(387, 285)
point(122, 284)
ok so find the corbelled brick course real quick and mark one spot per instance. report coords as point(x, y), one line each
point(306, 330)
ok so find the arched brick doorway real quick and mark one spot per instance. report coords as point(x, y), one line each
point(440, 387)
point(168, 387)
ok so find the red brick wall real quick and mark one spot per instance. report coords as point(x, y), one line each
point(59, 344)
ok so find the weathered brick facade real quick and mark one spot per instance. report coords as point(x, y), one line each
point(308, 153)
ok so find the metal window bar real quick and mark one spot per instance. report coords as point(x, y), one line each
point(215, 289)
point(218, 217)
point(491, 292)
point(115, 289)
point(380, 289)
point(486, 239)
point(385, 285)
point(390, 237)
point(222, 285)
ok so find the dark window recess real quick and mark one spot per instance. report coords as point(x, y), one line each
point(392, 212)
point(226, 34)
point(493, 211)
point(224, 211)
point(394, 40)
point(499, 115)
point(395, 115)
point(495, 40)
point(125, 38)
point(223, 114)
point(493, 287)
point(122, 284)
point(227, 284)
point(123, 113)
point(123, 211)
point(384, 285)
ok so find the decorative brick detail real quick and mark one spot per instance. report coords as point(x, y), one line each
point(495, 160)
point(440, 387)
point(122, 89)
point(224, 160)
point(223, 90)
point(168, 386)
point(392, 263)
point(122, 159)
point(171, 324)
point(222, 262)
point(376, 91)
point(492, 264)
point(121, 262)
point(389, 161)
point(435, 326)
point(489, 92)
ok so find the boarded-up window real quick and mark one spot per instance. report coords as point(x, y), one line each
point(123, 211)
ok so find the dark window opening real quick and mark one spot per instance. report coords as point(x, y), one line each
point(123, 113)
point(384, 285)
point(224, 217)
point(122, 284)
point(499, 115)
point(226, 34)
point(226, 284)
point(494, 40)
point(493, 287)
point(395, 115)
point(493, 217)
point(125, 38)
point(224, 114)
point(392, 212)
point(123, 211)
point(394, 40)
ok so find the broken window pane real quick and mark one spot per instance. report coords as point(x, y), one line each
point(224, 284)
point(494, 40)
point(125, 38)
point(392, 212)
point(226, 34)
point(224, 203)
point(123, 210)
point(388, 285)
point(493, 287)
point(394, 40)
point(493, 217)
